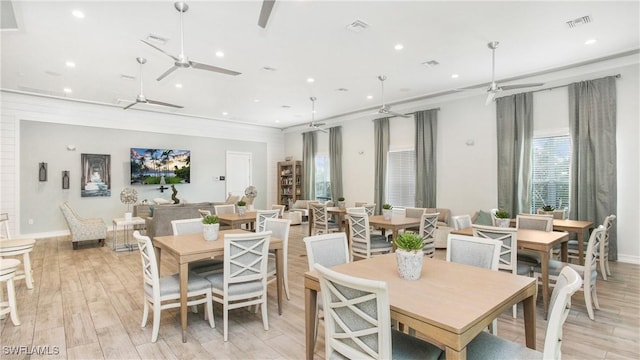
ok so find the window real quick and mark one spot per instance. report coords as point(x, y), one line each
point(550, 172)
point(323, 179)
point(401, 178)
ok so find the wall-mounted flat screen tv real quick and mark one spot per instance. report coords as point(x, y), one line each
point(156, 166)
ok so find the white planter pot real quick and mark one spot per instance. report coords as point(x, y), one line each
point(341, 204)
point(242, 210)
point(386, 214)
point(503, 223)
point(210, 231)
point(409, 264)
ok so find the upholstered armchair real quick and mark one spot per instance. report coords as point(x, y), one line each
point(83, 229)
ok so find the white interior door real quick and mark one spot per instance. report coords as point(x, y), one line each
point(238, 172)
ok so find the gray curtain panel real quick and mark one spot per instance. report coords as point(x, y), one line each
point(335, 162)
point(514, 120)
point(381, 134)
point(592, 125)
point(426, 136)
point(309, 165)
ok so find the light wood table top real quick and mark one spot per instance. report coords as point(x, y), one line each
point(450, 304)
point(235, 220)
point(541, 242)
point(193, 247)
point(395, 224)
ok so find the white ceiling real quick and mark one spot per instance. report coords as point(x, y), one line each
point(302, 39)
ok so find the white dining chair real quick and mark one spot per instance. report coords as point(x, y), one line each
point(243, 282)
point(282, 208)
point(225, 209)
point(487, 346)
point(161, 293)
point(603, 254)
point(364, 244)
point(461, 221)
point(195, 226)
point(321, 222)
point(428, 223)
point(279, 229)
point(358, 322)
point(8, 268)
point(262, 215)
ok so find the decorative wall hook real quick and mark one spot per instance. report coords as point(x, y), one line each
point(65, 179)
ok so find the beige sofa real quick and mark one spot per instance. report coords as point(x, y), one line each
point(158, 217)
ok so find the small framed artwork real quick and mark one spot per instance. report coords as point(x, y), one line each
point(96, 175)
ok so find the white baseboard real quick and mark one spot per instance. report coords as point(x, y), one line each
point(630, 259)
point(43, 235)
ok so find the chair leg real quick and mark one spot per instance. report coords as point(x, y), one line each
point(285, 278)
point(493, 328)
point(145, 313)
point(263, 310)
point(603, 269)
point(515, 311)
point(587, 301)
point(75, 245)
point(606, 265)
point(225, 321)
point(594, 295)
point(209, 311)
point(13, 307)
point(156, 322)
point(28, 273)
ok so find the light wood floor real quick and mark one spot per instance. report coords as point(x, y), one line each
point(87, 304)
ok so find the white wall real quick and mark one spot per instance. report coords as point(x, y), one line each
point(17, 108)
point(467, 175)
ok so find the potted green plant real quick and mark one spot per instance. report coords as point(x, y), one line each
point(386, 211)
point(210, 227)
point(242, 207)
point(409, 255)
point(341, 204)
point(502, 218)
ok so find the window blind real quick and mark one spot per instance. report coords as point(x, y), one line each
point(550, 173)
point(401, 178)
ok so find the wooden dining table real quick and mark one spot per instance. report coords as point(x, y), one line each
point(578, 227)
point(541, 242)
point(395, 224)
point(450, 304)
point(235, 220)
point(193, 247)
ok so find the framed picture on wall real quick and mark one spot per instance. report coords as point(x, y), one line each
point(96, 175)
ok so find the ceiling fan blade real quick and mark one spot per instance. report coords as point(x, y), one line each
point(162, 51)
point(166, 73)
point(130, 105)
point(519, 86)
point(197, 65)
point(397, 114)
point(155, 102)
point(265, 12)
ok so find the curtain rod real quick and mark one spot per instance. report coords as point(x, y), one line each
point(617, 76)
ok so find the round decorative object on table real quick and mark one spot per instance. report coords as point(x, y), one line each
point(128, 196)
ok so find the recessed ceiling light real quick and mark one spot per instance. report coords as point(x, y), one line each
point(77, 13)
point(179, 86)
point(219, 54)
point(225, 113)
point(590, 42)
point(399, 47)
point(67, 90)
point(277, 121)
point(256, 100)
point(455, 76)
point(310, 80)
point(369, 97)
point(70, 64)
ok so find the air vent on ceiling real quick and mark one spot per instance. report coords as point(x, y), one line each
point(269, 68)
point(357, 26)
point(127, 77)
point(579, 21)
point(431, 63)
point(157, 39)
point(342, 89)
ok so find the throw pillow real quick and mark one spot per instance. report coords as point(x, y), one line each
point(484, 218)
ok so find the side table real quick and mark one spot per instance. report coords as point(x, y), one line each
point(126, 225)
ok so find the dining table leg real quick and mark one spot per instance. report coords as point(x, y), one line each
point(184, 285)
point(580, 235)
point(310, 299)
point(455, 354)
point(529, 307)
point(544, 259)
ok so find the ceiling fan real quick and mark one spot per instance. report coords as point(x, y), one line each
point(494, 88)
point(141, 99)
point(386, 109)
point(182, 61)
point(315, 126)
point(265, 12)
